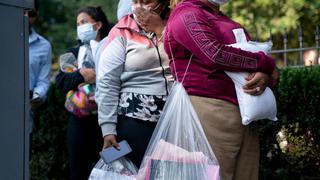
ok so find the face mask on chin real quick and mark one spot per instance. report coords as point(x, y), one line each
point(86, 33)
point(218, 2)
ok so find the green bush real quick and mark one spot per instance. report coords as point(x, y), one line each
point(294, 153)
point(49, 153)
point(290, 147)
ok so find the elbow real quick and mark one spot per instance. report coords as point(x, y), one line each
point(267, 64)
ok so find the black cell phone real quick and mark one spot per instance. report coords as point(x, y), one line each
point(111, 154)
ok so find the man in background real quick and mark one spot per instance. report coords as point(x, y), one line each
point(39, 64)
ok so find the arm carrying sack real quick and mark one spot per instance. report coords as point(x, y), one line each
point(253, 108)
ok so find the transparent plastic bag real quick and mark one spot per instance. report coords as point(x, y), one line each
point(179, 149)
point(253, 108)
point(121, 169)
point(68, 62)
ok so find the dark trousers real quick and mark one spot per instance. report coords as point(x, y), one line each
point(137, 133)
point(84, 143)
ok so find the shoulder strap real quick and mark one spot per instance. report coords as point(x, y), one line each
point(174, 64)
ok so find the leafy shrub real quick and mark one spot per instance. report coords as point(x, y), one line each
point(296, 154)
point(49, 153)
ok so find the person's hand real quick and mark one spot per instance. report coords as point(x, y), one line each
point(256, 83)
point(150, 21)
point(89, 75)
point(110, 140)
point(35, 103)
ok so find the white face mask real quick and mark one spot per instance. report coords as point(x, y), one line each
point(86, 32)
point(218, 2)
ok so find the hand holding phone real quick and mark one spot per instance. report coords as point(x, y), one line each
point(111, 154)
point(110, 140)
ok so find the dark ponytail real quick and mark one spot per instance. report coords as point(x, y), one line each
point(98, 15)
point(166, 9)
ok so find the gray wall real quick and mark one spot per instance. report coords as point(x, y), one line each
point(18, 3)
point(14, 136)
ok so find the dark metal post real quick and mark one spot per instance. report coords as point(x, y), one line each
point(285, 44)
point(317, 38)
point(300, 39)
point(270, 35)
point(14, 124)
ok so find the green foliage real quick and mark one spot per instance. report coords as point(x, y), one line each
point(49, 154)
point(296, 155)
point(259, 16)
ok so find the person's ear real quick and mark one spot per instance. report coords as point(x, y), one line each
point(98, 26)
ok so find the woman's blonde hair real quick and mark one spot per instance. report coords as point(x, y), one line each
point(173, 3)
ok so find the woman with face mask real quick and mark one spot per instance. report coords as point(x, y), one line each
point(77, 79)
point(197, 29)
point(133, 77)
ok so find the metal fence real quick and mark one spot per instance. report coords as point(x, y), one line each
point(307, 55)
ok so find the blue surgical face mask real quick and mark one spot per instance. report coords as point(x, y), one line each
point(218, 2)
point(86, 33)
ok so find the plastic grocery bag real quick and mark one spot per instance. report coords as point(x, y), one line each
point(253, 108)
point(121, 169)
point(80, 101)
point(179, 149)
